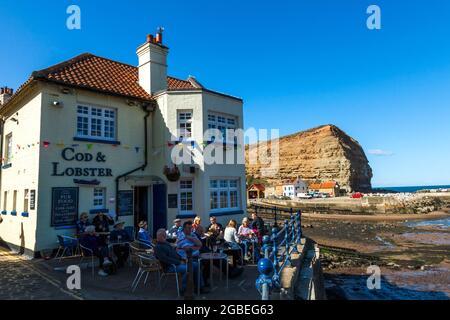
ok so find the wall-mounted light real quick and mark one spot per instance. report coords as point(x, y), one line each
point(57, 104)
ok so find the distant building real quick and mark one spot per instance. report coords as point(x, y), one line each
point(294, 187)
point(330, 187)
point(256, 191)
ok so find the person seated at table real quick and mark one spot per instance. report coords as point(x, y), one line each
point(246, 235)
point(143, 235)
point(257, 226)
point(214, 230)
point(121, 250)
point(93, 242)
point(172, 261)
point(197, 228)
point(232, 241)
point(102, 222)
point(172, 233)
point(82, 223)
point(188, 239)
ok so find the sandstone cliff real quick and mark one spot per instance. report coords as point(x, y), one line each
point(318, 154)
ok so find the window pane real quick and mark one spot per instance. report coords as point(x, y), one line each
point(213, 184)
point(224, 183)
point(233, 199)
point(223, 199)
point(214, 200)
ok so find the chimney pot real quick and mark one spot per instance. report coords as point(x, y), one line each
point(149, 38)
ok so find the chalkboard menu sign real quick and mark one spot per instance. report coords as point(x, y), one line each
point(125, 202)
point(32, 199)
point(172, 200)
point(64, 207)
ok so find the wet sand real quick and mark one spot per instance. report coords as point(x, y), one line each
point(414, 259)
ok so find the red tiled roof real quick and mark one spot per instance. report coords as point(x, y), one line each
point(104, 75)
point(258, 186)
point(323, 185)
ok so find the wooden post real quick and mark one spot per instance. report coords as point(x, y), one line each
point(189, 293)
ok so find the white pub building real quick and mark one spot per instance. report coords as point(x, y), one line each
point(95, 135)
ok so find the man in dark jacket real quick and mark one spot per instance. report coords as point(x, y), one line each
point(257, 225)
point(122, 250)
point(172, 261)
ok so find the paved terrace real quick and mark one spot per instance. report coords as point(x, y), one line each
point(37, 279)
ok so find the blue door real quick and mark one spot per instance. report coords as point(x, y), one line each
point(159, 207)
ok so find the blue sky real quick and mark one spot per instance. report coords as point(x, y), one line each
point(297, 64)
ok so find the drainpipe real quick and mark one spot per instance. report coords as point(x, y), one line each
point(147, 109)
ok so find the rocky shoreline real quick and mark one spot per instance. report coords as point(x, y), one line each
point(414, 259)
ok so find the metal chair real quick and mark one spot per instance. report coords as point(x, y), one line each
point(90, 254)
point(147, 264)
point(139, 248)
point(65, 244)
point(166, 273)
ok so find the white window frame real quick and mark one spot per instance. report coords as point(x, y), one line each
point(221, 186)
point(96, 196)
point(5, 200)
point(106, 115)
point(223, 123)
point(184, 121)
point(184, 191)
point(26, 200)
point(8, 148)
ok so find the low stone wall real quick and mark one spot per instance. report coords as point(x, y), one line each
point(304, 279)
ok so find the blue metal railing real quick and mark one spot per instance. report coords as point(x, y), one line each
point(278, 249)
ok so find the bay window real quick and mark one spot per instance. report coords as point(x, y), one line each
point(226, 124)
point(224, 194)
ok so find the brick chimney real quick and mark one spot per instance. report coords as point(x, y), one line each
point(153, 63)
point(5, 94)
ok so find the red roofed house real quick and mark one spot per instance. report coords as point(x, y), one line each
point(330, 187)
point(95, 135)
point(256, 191)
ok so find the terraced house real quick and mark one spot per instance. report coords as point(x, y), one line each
point(92, 134)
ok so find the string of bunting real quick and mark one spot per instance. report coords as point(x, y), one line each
point(60, 144)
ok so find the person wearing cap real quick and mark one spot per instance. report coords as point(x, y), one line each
point(121, 249)
point(172, 233)
point(143, 234)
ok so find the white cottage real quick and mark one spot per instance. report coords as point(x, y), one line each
point(295, 187)
point(91, 134)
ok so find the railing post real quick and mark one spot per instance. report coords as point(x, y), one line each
point(189, 293)
point(286, 239)
point(264, 282)
point(294, 234)
point(275, 255)
point(266, 246)
point(275, 214)
point(299, 226)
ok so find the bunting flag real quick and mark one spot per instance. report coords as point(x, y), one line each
point(89, 146)
point(46, 144)
point(137, 149)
